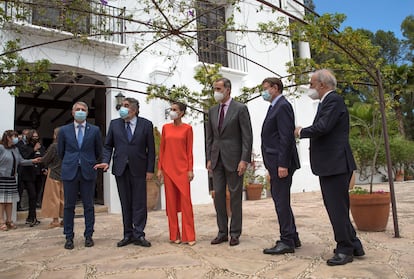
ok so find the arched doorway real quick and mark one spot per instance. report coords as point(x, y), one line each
point(46, 110)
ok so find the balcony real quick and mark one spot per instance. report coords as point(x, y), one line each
point(99, 22)
point(227, 54)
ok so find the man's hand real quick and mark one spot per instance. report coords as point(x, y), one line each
point(241, 168)
point(103, 166)
point(208, 166)
point(282, 172)
point(297, 131)
point(150, 175)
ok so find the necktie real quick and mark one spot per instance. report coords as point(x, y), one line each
point(269, 109)
point(80, 135)
point(221, 118)
point(129, 131)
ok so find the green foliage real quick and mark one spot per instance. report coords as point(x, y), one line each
point(357, 190)
point(20, 76)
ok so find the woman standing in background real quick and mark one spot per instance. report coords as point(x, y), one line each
point(52, 204)
point(10, 158)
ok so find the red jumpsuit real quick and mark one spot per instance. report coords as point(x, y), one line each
point(175, 161)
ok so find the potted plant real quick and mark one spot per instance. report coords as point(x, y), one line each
point(153, 186)
point(370, 210)
point(252, 181)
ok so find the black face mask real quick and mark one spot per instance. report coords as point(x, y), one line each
point(34, 141)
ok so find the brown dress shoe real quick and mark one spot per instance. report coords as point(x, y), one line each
point(234, 241)
point(219, 239)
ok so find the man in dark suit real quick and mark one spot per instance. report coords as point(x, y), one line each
point(281, 160)
point(80, 148)
point(229, 148)
point(332, 160)
point(131, 140)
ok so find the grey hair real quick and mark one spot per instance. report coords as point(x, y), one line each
point(327, 77)
point(80, 103)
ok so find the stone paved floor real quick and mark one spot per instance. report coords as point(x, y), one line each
point(38, 252)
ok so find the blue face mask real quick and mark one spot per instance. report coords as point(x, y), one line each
point(15, 141)
point(80, 115)
point(123, 112)
point(266, 95)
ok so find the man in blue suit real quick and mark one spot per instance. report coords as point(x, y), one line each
point(281, 160)
point(131, 140)
point(332, 160)
point(80, 148)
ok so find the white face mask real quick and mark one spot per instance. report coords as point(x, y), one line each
point(218, 96)
point(313, 94)
point(173, 115)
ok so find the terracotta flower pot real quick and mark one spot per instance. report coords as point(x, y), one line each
point(254, 191)
point(370, 211)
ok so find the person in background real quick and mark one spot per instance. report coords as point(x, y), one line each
point(53, 197)
point(281, 160)
point(80, 148)
point(130, 139)
point(332, 160)
point(229, 150)
point(22, 141)
point(175, 167)
point(30, 175)
point(10, 159)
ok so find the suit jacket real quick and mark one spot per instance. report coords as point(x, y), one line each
point(139, 154)
point(234, 142)
point(85, 157)
point(330, 152)
point(278, 139)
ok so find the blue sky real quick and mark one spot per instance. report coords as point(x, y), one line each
point(369, 14)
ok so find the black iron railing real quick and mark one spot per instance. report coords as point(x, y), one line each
point(97, 20)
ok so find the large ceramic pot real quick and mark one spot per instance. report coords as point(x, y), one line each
point(254, 191)
point(370, 211)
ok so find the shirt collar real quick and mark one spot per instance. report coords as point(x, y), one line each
point(276, 99)
point(76, 124)
point(326, 94)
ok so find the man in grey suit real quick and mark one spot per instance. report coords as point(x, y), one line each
point(229, 148)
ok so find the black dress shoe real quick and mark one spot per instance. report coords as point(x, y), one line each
point(141, 241)
point(340, 259)
point(219, 239)
point(234, 241)
point(279, 249)
point(69, 244)
point(35, 222)
point(357, 252)
point(125, 242)
point(297, 243)
point(89, 241)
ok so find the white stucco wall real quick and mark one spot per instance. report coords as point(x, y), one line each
point(109, 60)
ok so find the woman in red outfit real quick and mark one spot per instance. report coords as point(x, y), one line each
point(175, 166)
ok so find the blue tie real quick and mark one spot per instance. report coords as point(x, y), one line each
point(129, 131)
point(80, 135)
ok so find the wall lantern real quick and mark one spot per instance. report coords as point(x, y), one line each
point(119, 99)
